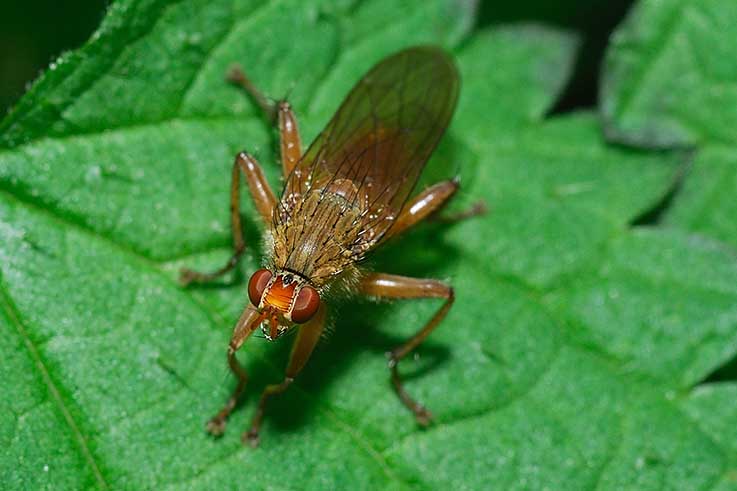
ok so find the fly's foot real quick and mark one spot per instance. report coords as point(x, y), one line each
point(216, 426)
point(422, 415)
point(235, 74)
point(477, 209)
point(187, 276)
point(251, 438)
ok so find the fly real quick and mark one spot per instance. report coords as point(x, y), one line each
point(345, 196)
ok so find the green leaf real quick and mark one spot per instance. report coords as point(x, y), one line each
point(668, 298)
point(583, 425)
point(114, 173)
point(670, 79)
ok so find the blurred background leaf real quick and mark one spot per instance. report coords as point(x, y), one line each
point(671, 80)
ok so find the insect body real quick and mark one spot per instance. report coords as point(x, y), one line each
point(347, 194)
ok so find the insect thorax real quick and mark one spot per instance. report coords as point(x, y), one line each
point(319, 235)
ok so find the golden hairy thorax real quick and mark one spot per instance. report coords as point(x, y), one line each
point(324, 232)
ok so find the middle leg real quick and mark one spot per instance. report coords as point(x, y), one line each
point(428, 203)
point(380, 285)
point(247, 323)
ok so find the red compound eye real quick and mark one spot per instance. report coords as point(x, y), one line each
point(305, 305)
point(257, 284)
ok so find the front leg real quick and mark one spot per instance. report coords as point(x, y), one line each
point(279, 113)
point(380, 285)
point(307, 338)
point(247, 323)
point(265, 201)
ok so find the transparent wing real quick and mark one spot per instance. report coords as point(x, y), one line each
point(374, 148)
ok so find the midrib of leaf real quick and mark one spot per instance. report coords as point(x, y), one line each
point(11, 312)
